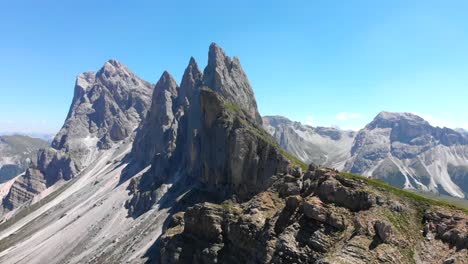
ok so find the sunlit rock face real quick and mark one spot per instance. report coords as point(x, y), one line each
point(405, 150)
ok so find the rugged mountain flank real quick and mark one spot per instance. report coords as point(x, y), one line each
point(319, 145)
point(17, 152)
point(406, 151)
point(107, 107)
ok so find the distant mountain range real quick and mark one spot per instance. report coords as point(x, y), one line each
point(191, 173)
point(320, 145)
point(400, 148)
point(44, 136)
point(17, 153)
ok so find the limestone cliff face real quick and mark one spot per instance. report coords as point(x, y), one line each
point(206, 131)
point(107, 107)
point(235, 154)
point(157, 136)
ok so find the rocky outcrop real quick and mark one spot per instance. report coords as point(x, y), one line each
point(406, 151)
point(24, 189)
point(17, 153)
point(319, 145)
point(313, 226)
point(106, 109)
point(448, 227)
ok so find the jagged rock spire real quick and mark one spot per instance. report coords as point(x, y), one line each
point(159, 130)
point(226, 77)
point(192, 75)
point(166, 83)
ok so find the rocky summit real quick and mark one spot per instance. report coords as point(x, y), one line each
point(186, 173)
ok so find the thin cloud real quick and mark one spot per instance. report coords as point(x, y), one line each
point(435, 121)
point(343, 116)
point(347, 128)
point(310, 120)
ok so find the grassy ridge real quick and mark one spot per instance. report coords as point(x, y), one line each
point(421, 200)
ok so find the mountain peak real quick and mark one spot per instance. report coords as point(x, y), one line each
point(388, 119)
point(216, 56)
point(166, 77)
point(227, 78)
point(111, 68)
point(113, 64)
point(192, 62)
point(192, 75)
point(192, 68)
point(276, 120)
point(398, 115)
point(166, 83)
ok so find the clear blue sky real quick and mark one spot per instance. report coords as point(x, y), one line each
point(323, 62)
